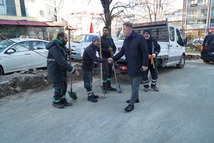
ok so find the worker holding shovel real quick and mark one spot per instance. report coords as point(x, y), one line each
point(58, 66)
point(89, 57)
point(108, 48)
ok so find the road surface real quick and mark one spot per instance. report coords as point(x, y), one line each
point(182, 112)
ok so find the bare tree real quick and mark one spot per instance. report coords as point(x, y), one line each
point(153, 9)
point(111, 12)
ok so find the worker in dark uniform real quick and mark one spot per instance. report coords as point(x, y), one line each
point(89, 57)
point(153, 50)
point(58, 66)
point(108, 50)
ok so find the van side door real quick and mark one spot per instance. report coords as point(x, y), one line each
point(175, 42)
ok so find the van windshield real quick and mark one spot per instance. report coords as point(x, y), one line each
point(4, 44)
point(83, 38)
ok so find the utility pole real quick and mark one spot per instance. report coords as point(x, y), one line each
point(208, 16)
point(55, 11)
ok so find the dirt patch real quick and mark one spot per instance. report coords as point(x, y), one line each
point(19, 82)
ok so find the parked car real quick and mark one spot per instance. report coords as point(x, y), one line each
point(79, 44)
point(198, 41)
point(22, 54)
point(207, 49)
point(82, 41)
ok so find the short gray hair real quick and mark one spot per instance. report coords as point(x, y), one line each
point(128, 24)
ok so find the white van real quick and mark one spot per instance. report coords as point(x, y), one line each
point(170, 40)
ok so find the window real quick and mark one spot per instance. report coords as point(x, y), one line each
point(171, 34)
point(22, 46)
point(23, 10)
point(37, 45)
point(1, 2)
point(159, 33)
point(178, 38)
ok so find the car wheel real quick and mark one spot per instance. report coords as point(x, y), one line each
point(181, 62)
point(1, 71)
point(206, 61)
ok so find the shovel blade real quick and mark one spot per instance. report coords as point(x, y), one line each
point(119, 89)
point(73, 95)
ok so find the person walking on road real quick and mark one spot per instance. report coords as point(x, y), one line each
point(154, 50)
point(108, 50)
point(89, 57)
point(57, 67)
point(135, 50)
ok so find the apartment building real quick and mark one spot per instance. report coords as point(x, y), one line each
point(198, 18)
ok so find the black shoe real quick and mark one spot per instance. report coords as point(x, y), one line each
point(129, 108)
point(96, 96)
point(92, 99)
point(112, 89)
point(64, 102)
point(137, 101)
point(58, 105)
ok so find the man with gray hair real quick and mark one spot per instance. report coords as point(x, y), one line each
point(136, 53)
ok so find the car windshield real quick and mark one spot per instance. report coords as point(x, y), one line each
point(83, 38)
point(4, 44)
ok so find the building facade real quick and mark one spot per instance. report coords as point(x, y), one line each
point(30, 18)
point(198, 18)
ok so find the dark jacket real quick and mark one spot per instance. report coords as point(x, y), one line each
point(153, 46)
point(136, 53)
point(57, 64)
point(89, 57)
point(106, 42)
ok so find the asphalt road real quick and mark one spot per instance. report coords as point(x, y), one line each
point(182, 112)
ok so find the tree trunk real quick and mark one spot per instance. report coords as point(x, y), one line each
point(107, 14)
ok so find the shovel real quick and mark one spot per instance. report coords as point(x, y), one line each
point(72, 94)
point(115, 76)
point(101, 68)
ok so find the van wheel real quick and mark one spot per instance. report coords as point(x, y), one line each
point(1, 71)
point(181, 62)
point(206, 61)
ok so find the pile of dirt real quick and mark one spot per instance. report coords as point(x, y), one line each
point(19, 82)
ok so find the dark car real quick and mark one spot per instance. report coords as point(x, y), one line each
point(207, 49)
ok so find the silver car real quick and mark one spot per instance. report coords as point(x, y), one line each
point(79, 44)
point(22, 54)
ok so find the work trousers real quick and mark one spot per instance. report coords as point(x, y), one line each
point(87, 79)
point(154, 76)
point(135, 83)
point(60, 89)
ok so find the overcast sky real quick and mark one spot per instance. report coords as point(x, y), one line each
point(95, 5)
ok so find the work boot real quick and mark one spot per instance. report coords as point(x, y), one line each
point(155, 88)
point(112, 89)
point(109, 86)
point(146, 89)
point(92, 98)
point(137, 101)
point(64, 101)
point(58, 105)
point(95, 96)
point(129, 108)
